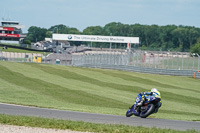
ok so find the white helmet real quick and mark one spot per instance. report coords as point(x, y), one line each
point(154, 90)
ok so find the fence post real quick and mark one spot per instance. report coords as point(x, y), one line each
point(149, 59)
point(158, 66)
point(193, 62)
point(182, 61)
point(172, 61)
point(177, 61)
point(195, 75)
point(198, 61)
point(162, 59)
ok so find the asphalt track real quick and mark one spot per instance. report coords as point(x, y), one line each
point(98, 118)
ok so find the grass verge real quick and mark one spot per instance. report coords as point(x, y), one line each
point(80, 126)
point(95, 90)
point(15, 50)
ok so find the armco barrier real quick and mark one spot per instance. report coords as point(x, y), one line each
point(197, 74)
point(118, 62)
point(189, 73)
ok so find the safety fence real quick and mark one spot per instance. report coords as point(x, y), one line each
point(167, 63)
point(20, 57)
point(197, 74)
point(162, 60)
point(63, 59)
point(189, 73)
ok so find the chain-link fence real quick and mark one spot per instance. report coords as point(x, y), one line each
point(162, 60)
point(168, 63)
point(110, 58)
point(55, 58)
point(18, 57)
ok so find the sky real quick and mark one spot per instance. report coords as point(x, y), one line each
point(81, 14)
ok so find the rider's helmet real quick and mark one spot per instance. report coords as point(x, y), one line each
point(155, 92)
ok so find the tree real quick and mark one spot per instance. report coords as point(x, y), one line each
point(196, 48)
point(27, 42)
point(61, 29)
point(192, 35)
point(73, 31)
point(112, 28)
point(93, 30)
point(151, 35)
point(154, 37)
point(36, 34)
point(49, 34)
point(137, 30)
point(179, 38)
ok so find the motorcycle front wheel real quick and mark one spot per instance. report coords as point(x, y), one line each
point(129, 113)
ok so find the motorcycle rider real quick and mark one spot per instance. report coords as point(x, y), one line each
point(154, 93)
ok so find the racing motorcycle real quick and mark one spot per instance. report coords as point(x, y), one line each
point(150, 106)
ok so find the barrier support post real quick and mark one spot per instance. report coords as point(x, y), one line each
point(195, 75)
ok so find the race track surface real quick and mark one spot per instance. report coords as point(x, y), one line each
point(98, 118)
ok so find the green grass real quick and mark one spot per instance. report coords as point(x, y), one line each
point(80, 126)
point(20, 50)
point(12, 44)
point(96, 90)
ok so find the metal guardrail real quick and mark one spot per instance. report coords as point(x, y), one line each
point(180, 61)
point(180, 64)
point(189, 73)
point(197, 74)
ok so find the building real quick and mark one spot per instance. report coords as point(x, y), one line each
point(51, 46)
point(10, 32)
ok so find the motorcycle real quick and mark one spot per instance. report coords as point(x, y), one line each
point(150, 106)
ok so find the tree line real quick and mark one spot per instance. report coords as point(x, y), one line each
point(152, 37)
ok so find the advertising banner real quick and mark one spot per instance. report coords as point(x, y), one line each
point(9, 35)
point(95, 38)
point(7, 28)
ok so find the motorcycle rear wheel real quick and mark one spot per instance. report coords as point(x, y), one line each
point(148, 112)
